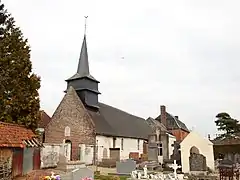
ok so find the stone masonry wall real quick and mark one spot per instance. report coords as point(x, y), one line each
point(71, 113)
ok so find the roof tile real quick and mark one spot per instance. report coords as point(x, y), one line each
point(13, 135)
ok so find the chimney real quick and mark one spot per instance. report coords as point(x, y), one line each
point(163, 115)
point(176, 117)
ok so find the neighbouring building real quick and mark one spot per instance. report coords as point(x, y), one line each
point(19, 149)
point(227, 148)
point(196, 154)
point(160, 142)
point(44, 120)
point(173, 124)
point(90, 127)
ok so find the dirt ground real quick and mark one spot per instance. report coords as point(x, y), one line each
point(38, 174)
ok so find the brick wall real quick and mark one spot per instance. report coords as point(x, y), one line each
point(179, 134)
point(72, 113)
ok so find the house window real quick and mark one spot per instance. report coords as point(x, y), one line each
point(122, 143)
point(114, 142)
point(160, 149)
point(138, 144)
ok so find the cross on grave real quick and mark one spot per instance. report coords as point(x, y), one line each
point(175, 167)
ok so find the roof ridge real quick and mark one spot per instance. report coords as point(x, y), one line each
point(121, 110)
point(13, 124)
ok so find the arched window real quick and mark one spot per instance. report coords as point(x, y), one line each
point(67, 131)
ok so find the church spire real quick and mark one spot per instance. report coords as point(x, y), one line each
point(82, 81)
point(83, 65)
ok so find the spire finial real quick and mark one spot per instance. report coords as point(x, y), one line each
point(85, 30)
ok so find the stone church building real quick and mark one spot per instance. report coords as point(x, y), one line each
point(84, 123)
point(97, 131)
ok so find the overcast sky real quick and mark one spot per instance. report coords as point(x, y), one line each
point(180, 53)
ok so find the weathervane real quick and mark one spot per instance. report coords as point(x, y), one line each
point(85, 25)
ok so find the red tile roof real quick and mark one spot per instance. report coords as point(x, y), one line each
point(13, 135)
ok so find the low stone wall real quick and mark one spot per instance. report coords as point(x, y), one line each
point(50, 155)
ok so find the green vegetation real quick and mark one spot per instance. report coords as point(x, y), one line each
point(19, 98)
point(109, 177)
point(226, 124)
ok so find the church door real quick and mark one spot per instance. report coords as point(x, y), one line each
point(68, 149)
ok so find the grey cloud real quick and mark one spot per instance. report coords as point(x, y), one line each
point(184, 54)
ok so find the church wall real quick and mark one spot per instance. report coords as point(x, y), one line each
point(129, 145)
point(204, 146)
point(71, 122)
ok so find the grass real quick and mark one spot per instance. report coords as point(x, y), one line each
point(110, 177)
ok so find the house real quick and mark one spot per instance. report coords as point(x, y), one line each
point(227, 147)
point(160, 142)
point(173, 124)
point(19, 148)
point(94, 130)
point(44, 120)
point(196, 153)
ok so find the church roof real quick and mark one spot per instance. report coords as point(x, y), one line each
point(115, 122)
point(173, 123)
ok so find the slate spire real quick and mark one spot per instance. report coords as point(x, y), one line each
point(82, 81)
point(83, 65)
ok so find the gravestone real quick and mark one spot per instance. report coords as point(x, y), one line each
point(152, 153)
point(62, 163)
point(126, 167)
point(197, 162)
point(82, 174)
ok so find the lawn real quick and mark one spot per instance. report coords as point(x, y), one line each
point(110, 177)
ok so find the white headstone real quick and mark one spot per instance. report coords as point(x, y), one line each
point(175, 167)
point(67, 131)
point(139, 175)
point(145, 171)
point(134, 174)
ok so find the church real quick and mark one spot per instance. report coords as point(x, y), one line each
point(94, 130)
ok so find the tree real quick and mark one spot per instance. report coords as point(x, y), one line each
point(19, 98)
point(227, 124)
point(3, 17)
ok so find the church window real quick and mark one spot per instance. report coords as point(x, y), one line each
point(67, 131)
point(138, 144)
point(122, 143)
point(114, 142)
point(160, 149)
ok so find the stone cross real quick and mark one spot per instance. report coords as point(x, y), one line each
point(134, 174)
point(139, 175)
point(175, 167)
point(145, 171)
